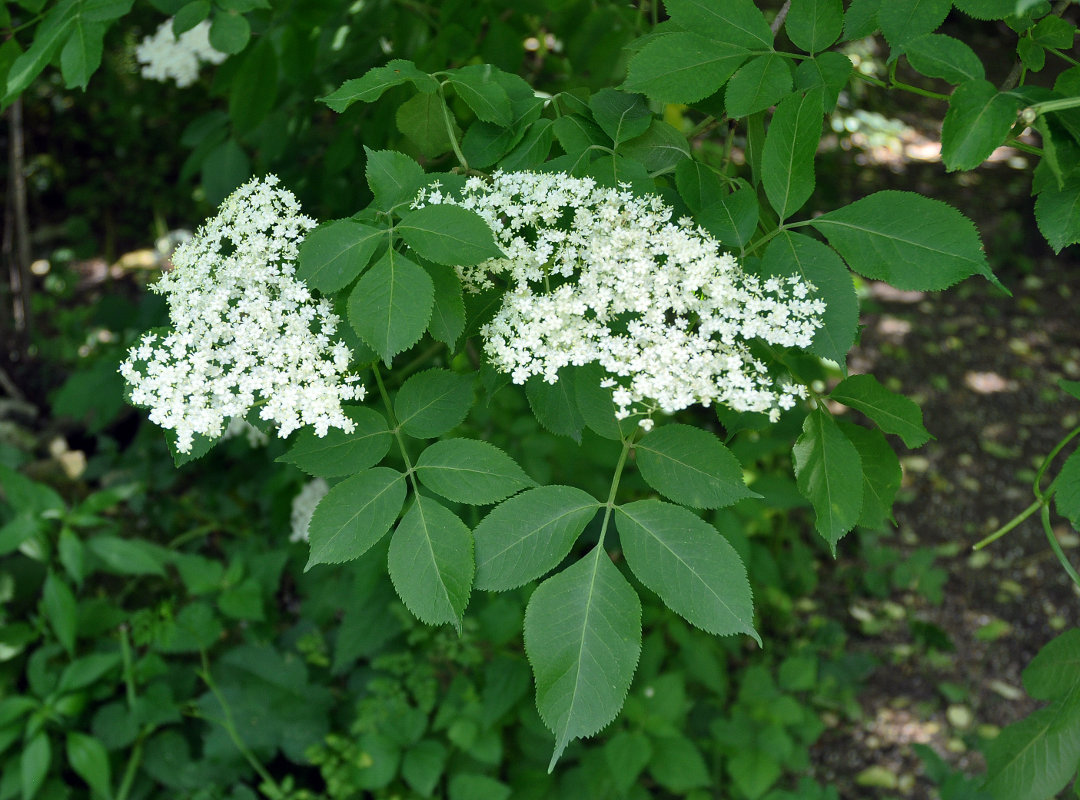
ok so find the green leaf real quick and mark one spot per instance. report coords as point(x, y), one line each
point(987, 9)
point(486, 97)
point(332, 255)
point(470, 471)
point(892, 412)
point(423, 766)
point(860, 20)
point(431, 563)
point(448, 314)
point(377, 80)
point(577, 135)
point(691, 467)
point(978, 122)
point(484, 143)
point(61, 609)
point(1035, 758)
point(390, 305)
point(881, 474)
point(34, 764)
point(813, 25)
point(393, 177)
point(475, 786)
point(86, 671)
point(423, 118)
point(128, 556)
point(828, 473)
point(936, 55)
point(533, 148)
point(81, 54)
point(698, 185)
point(254, 87)
point(733, 219)
point(903, 20)
point(1054, 673)
point(583, 639)
point(659, 149)
point(1053, 31)
point(341, 453)
point(354, 515)
point(694, 569)
point(1031, 55)
point(828, 70)
point(88, 758)
point(1058, 215)
point(787, 160)
point(736, 22)
point(190, 15)
point(224, 169)
point(555, 404)
point(754, 771)
point(595, 402)
point(229, 33)
point(448, 234)
point(1067, 493)
point(878, 238)
point(796, 254)
point(678, 765)
point(682, 67)
point(431, 403)
point(529, 535)
point(760, 83)
point(627, 753)
point(621, 116)
point(51, 33)
point(17, 531)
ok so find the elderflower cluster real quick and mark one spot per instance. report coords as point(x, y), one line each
point(245, 331)
point(599, 275)
point(164, 56)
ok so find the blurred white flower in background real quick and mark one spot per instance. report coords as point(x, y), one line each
point(303, 507)
point(166, 57)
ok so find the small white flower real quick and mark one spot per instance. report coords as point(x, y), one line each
point(598, 275)
point(245, 331)
point(165, 57)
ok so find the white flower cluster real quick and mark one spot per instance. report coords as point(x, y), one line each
point(163, 56)
point(599, 275)
point(245, 332)
point(303, 508)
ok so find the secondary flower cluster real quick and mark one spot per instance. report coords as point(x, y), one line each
point(163, 56)
point(245, 332)
point(598, 275)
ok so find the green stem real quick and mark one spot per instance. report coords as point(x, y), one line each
point(1055, 545)
point(609, 506)
point(906, 87)
point(1042, 500)
point(1054, 105)
point(133, 762)
point(409, 470)
point(230, 727)
point(450, 131)
point(1023, 147)
point(770, 236)
point(129, 667)
point(1008, 526)
point(1063, 57)
point(1046, 464)
point(195, 533)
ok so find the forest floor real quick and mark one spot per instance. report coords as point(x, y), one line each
point(984, 367)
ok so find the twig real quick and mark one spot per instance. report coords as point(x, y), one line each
point(781, 15)
point(19, 266)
